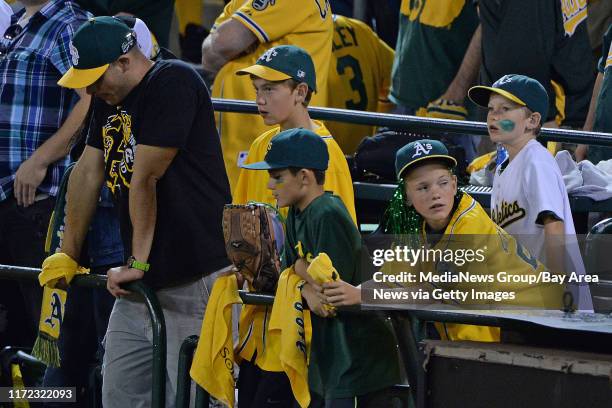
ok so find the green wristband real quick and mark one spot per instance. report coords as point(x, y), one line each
point(133, 263)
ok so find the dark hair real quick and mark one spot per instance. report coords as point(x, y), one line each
point(318, 174)
point(294, 84)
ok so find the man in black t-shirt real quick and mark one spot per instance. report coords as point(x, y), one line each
point(153, 141)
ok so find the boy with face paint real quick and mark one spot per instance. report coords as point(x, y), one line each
point(529, 199)
point(428, 210)
point(339, 370)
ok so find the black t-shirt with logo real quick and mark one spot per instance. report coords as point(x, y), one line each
point(171, 107)
point(546, 40)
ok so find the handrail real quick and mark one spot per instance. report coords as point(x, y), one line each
point(418, 124)
point(183, 383)
point(251, 298)
point(158, 392)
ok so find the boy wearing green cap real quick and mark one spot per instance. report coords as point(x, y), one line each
point(340, 370)
point(284, 78)
point(529, 199)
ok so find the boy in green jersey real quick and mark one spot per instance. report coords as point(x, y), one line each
point(352, 356)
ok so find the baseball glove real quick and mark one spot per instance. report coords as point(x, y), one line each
point(253, 241)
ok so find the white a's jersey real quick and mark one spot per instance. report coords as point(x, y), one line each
point(526, 187)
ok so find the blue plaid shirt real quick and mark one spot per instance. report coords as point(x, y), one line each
point(32, 105)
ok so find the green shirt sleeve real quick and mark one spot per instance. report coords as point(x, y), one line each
point(340, 241)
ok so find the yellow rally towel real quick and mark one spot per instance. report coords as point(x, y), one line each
point(251, 330)
point(55, 267)
point(289, 335)
point(322, 270)
point(213, 362)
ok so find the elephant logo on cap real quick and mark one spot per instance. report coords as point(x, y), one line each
point(74, 54)
point(420, 149)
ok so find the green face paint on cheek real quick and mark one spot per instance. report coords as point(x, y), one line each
point(506, 125)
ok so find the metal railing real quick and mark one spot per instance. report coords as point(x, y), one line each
point(158, 391)
point(183, 389)
point(418, 124)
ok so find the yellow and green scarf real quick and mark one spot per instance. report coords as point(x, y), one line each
point(55, 267)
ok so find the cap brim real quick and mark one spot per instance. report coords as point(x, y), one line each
point(450, 159)
point(262, 72)
point(262, 165)
point(81, 78)
point(480, 95)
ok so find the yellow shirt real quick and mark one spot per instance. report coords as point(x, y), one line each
point(279, 22)
point(359, 77)
point(471, 228)
point(252, 184)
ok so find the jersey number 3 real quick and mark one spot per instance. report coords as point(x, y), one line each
point(356, 81)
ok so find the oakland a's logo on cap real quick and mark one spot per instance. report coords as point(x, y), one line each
point(504, 80)
point(74, 54)
point(420, 149)
point(268, 55)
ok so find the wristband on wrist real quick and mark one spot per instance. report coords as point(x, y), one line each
point(133, 263)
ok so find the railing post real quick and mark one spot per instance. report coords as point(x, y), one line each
point(183, 383)
point(158, 392)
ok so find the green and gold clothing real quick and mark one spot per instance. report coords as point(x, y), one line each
point(359, 78)
point(471, 228)
point(350, 354)
point(280, 22)
point(253, 185)
point(432, 40)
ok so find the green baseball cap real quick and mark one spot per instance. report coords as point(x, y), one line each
point(284, 62)
point(97, 43)
point(419, 150)
point(521, 89)
point(299, 148)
